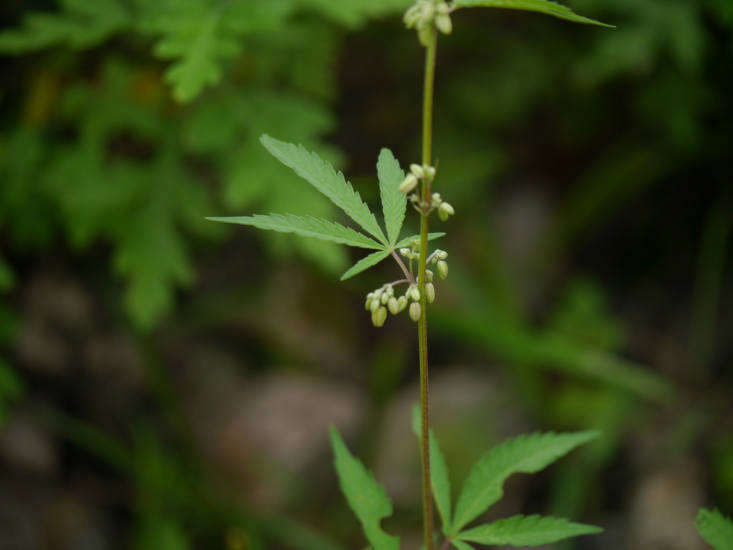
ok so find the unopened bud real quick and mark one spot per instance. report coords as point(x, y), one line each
point(393, 306)
point(376, 301)
point(401, 303)
point(414, 293)
point(430, 292)
point(443, 22)
point(443, 269)
point(385, 298)
point(430, 172)
point(408, 184)
point(445, 211)
point(442, 8)
point(441, 254)
point(405, 252)
point(417, 170)
point(379, 316)
point(429, 274)
point(368, 303)
point(415, 311)
point(436, 198)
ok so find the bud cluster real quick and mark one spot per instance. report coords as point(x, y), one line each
point(445, 210)
point(426, 14)
point(416, 174)
point(383, 300)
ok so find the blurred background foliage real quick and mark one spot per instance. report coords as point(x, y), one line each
point(166, 383)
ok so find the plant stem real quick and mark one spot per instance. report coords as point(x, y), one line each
point(422, 327)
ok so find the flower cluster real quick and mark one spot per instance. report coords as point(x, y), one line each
point(417, 173)
point(384, 300)
point(425, 14)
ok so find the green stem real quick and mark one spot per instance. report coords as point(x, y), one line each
point(422, 326)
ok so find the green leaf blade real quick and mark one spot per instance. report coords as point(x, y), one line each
point(365, 263)
point(540, 6)
point(527, 531)
point(365, 496)
point(438, 471)
point(394, 203)
point(715, 528)
point(321, 175)
point(523, 454)
point(305, 226)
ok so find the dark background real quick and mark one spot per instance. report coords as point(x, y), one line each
point(167, 383)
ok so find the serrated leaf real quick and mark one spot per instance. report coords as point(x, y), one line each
point(79, 24)
point(523, 454)
point(365, 496)
point(540, 6)
point(527, 531)
point(460, 545)
point(715, 528)
point(307, 226)
point(327, 180)
point(394, 203)
point(406, 241)
point(365, 263)
point(438, 471)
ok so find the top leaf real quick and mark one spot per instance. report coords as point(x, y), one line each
point(540, 6)
point(524, 454)
point(365, 496)
point(327, 180)
point(716, 529)
point(527, 531)
point(394, 203)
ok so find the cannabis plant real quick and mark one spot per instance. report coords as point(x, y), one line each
point(413, 291)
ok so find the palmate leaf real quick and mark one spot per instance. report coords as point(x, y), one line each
point(307, 226)
point(365, 496)
point(526, 531)
point(523, 454)
point(438, 471)
point(715, 528)
point(327, 180)
point(394, 203)
point(540, 6)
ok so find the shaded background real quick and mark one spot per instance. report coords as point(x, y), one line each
point(166, 383)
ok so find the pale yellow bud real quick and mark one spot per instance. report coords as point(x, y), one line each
point(417, 170)
point(415, 311)
point(445, 211)
point(430, 292)
point(414, 293)
point(393, 305)
point(443, 23)
point(401, 303)
point(379, 316)
point(442, 269)
point(408, 184)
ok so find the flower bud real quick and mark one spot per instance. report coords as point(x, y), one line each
point(415, 311)
point(442, 8)
point(408, 184)
point(379, 316)
point(368, 303)
point(393, 306)
point(445, 211)
point(385, 298)
point(430, 292)
point(429, 274)
point(430, 172)
point(441, 254)
point(405, 252)
point(414, 293)
point(417, 170)
point(376, 301)
point(443, 22)
point(401, 303)
point(443, 269)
